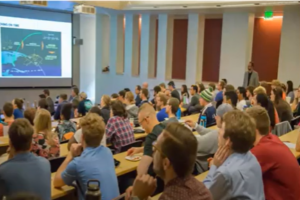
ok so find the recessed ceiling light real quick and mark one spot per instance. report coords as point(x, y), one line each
point(218, 5)
point(155, 7)
point(184, 6)
point(256, 4)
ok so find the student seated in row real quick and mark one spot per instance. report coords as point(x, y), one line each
point(65, 126)
point(234, 171)
point(89, 160)
point(280, 169)
point(208, 109)
point(8, 118)
point(62, 100)
point(24, 172)
point(18, 108)
point(84, 105)
point(45, 143)
point(78, 134)
point(118, 130)
point(171, 109)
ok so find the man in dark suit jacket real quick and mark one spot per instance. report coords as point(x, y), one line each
point(251, 77)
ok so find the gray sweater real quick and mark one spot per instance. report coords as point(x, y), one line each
point(207, 146)
point(132, 111)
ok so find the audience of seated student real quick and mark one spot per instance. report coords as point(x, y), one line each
point(8, 118)
point(74, 97)
point(290, 91)
point(144, 96)
point(235, 172)
point(148, 121)
point(114, 97)
point(49, 101)
point(208, 138)
point(184, 93)
point(162, 87)
point(161, 102)
point(249, 93)
point(171, 109)
point(145, 85)
point(65, 125)
point(131, 108)
point(137, 92)
point(208, 109)
point(18, 108)
point(89, 160)
point(29, 114)
point(219, 96)
point(174, 92)
point(105, 107)
point(84, 104)
point(275, 159)
point(122, 96)
point(119, 132)
point(262, 100)
point(45, 143)
point(296, 103)
point(241, 93)
point(24, 172)
point(77, 138)
point(173, 168)
point(194, 105)
point(283, 108)
point(42, 103)
point(62, 100)
point(231, 98)
point(156, 90)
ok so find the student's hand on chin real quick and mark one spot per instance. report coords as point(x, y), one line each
point(144, 186)
point(221, 155)
point(76, 150)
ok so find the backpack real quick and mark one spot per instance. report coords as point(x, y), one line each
point(65, 128)
point(88, 105)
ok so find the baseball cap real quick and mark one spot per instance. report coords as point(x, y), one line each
point(223, 108)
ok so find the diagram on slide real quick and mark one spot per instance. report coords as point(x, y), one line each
point(28, 52)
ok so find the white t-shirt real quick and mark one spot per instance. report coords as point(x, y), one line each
point(78, 136)
point(240, 105)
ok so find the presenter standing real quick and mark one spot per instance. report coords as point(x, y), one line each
point(251, 77)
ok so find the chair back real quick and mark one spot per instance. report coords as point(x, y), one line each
point(55, 163)
point(137, 143)
point(282, 128)
point(67, 136)
point(295, 122)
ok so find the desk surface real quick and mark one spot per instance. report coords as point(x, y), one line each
point(292, 138)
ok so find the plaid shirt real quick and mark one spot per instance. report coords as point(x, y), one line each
point(188, 188)
point(119, 132)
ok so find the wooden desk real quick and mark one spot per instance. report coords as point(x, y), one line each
point(200, 178)
point(292, 138)
point(60, 192)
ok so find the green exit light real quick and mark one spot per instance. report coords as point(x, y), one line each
point(268, 15)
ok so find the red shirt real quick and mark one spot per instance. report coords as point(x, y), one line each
point(281, 173)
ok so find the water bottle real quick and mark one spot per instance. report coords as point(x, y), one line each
point(203, 120)
point(93, 190)
point(178, 114)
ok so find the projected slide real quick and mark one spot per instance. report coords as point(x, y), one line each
point(31, 53)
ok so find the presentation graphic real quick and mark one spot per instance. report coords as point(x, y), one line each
point(30, 52)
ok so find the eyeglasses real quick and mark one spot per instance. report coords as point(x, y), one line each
point(155, 148)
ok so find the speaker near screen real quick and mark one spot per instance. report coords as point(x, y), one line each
point(36, 51)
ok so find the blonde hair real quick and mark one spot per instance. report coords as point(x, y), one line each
point(130, 97)
point(259, 90)
point(93, 129)
point(276, 83)
point(106, 100)
point(42, 124)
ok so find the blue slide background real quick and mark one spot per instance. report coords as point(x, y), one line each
point(24, 52)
